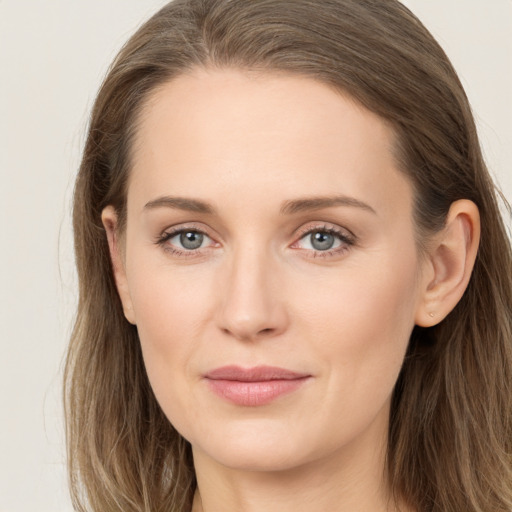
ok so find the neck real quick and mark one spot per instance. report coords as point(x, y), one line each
point(351, 479)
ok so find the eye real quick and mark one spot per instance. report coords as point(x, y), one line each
point(184, 241)
point(189, 240)
point(321, 240)
point(325, 241)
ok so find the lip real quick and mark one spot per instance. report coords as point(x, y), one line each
point(252, 387)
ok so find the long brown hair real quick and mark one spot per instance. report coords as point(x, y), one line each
point(450, 437)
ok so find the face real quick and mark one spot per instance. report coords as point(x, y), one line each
point(270, 266)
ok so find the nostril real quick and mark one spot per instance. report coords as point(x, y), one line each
point(245, 335)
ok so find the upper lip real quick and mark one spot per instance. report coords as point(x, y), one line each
point(254, 374)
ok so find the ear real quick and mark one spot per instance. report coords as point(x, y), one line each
point(450, 260)
point(110, 223)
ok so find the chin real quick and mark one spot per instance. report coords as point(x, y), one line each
point(264, 447)
point(255, 458)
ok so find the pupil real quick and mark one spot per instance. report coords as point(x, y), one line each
point(191, 240)
point(322, 241)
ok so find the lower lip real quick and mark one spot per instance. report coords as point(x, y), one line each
point(253, 394)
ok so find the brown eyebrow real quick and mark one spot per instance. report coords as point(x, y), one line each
point(317, 203)
point(181, 203)
point(288, 207)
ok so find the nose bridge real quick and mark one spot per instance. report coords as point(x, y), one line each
point(250, 305)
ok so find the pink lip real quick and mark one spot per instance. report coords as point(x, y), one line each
point(254, 386)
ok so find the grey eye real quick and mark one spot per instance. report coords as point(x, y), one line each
point(322, 241)
point(191, 239)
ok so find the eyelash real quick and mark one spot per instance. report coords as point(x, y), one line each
point(347, 241)
point(346, 238)
point(184, 253)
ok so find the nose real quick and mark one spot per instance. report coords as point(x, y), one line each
point(251, 301)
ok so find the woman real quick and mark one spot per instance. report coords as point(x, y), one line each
point(295, 283)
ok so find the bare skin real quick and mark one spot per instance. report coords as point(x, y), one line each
point(268, 226)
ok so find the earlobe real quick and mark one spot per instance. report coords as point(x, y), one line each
point(451, 258)
point(110, 223)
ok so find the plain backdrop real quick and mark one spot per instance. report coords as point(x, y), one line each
point(53, 55)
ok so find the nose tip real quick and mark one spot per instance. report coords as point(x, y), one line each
point(247, 329)
point(251, 305)
point(251, 313)
point(245, 332)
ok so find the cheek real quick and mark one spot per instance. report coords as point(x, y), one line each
point(359, 323)
point(167, 310)
point(171, 311)
point(378, 296)
point(168, 301)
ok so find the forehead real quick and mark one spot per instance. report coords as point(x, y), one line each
point(228, 132)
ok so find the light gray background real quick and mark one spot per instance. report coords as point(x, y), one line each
point(53, 55)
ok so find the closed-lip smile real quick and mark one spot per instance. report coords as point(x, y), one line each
point(256, 386)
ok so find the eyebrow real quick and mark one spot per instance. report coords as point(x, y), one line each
point(288, 207)
point(181, 203)
point(318, 203)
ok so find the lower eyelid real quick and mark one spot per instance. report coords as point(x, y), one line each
point(176, 251)
point(345, 241)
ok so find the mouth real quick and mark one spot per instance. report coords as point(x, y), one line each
point(252, 387)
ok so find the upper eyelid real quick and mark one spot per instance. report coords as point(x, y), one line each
point(163, 240)
point(165, 235)
point(300, 233)
point(328, 227)
point(192, 226)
